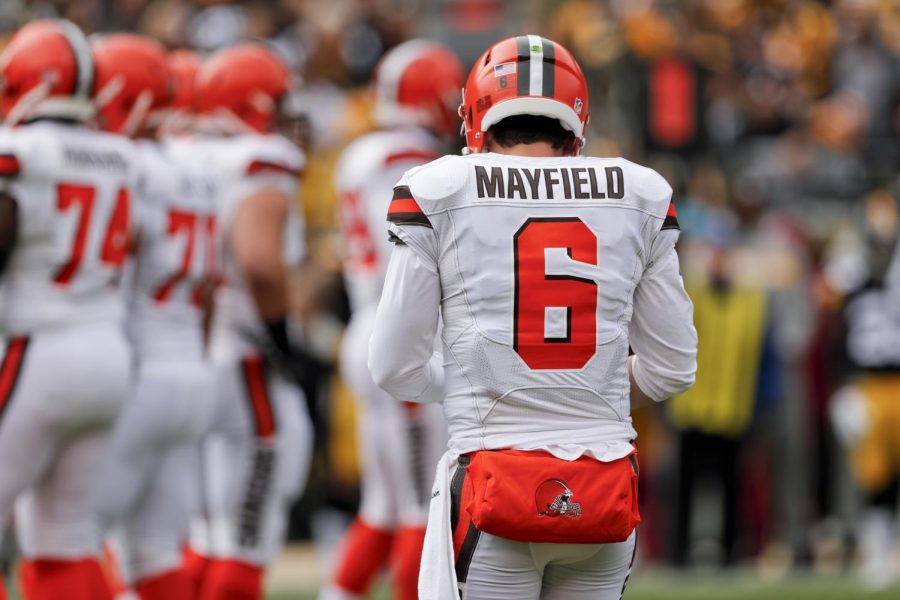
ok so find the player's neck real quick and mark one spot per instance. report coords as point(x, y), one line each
point(534, 150)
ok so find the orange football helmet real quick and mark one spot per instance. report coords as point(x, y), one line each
point(241, 87)
point(418, 82)
point(524, 75)
point(184, 65)
point(133, 81)
point(46, 71)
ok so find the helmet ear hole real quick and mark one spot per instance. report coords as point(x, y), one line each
point(469, 117)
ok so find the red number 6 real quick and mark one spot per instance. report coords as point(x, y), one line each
point(535, 292)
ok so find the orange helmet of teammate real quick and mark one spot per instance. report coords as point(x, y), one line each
point(243, 84)
point(46, 71)
point(133, 81)
point(418, 82)
point(524, 75)
point(184, 65)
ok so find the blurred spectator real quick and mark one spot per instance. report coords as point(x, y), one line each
point(736, 372)
point(866, 411)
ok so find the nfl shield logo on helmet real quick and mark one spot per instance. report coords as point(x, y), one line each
point(578, 106)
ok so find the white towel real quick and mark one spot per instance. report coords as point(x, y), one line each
point(437, 572)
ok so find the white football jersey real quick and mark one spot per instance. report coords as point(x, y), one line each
point(365, 175)
point(539, 260)
point(73, 187)
point(243, 165)
point(175, 253)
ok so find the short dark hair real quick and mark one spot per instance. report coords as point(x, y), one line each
point(530, 129)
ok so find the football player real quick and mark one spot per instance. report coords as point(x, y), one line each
point(416, 88)
point(262, 435)
point(65, 223)
point(545, 266)
point(864, 270)
point(181, 142)
point(146, 477)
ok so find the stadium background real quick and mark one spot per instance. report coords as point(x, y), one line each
point(778, 124)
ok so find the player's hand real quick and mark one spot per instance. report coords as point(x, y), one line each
point(291, 361)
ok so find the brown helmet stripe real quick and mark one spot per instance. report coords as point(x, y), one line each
point(523, 68)
point(549, 64)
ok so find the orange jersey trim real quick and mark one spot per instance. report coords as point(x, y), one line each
point(404, 210)
point(258, 393)
point(9, 165)
point(10, 369)
point(263, 166)
point(410, 155)
point(671, 220)
point(404, 205)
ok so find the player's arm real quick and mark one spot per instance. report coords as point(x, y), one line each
point(401, 352)
point(662, 328)
point(256, 237)
point(9, 227)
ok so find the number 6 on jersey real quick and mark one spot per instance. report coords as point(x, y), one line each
point(554, 316)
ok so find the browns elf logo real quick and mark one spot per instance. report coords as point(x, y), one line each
point(553, 498)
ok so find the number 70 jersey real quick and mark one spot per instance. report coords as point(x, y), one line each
point(539, 260)
point(73, 191)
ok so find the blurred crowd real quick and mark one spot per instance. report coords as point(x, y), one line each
point(777, 122)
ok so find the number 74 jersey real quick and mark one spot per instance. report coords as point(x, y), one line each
point(73, 190)
point(539, 262)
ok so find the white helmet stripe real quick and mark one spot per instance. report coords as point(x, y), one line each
point(395, 64)
point(84, 64)
point(536, 66)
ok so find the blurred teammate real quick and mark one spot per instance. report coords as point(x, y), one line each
point(148, 474)
point(65, 220)
point(865, 270)
point(181, 142)
point(262, 437)
point(545, 266)
point(416, 88)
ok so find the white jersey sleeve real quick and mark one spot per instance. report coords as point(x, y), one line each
point(406, 320)
point(245, 165)
point(73, 188)
point(539, 262)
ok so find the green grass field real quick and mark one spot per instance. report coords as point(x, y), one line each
point(697, 587)
point(667, 586)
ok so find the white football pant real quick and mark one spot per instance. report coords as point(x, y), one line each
point(149, 475)
point(54, 431)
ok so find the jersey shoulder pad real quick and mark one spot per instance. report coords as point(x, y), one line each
point(382, 153)
point(273, 155)
point(650, 189)
point(358, 161)
point(436, 182)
